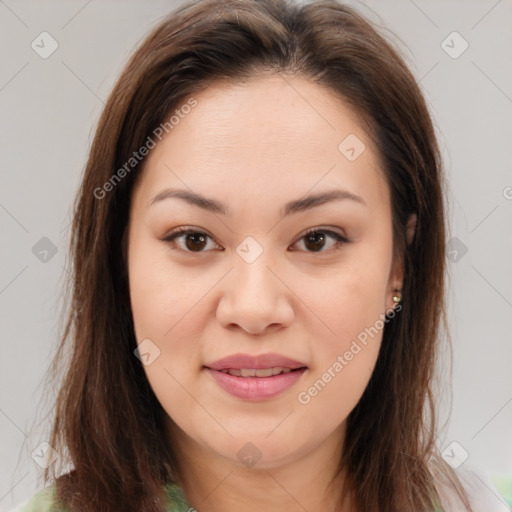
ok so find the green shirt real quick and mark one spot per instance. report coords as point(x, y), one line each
point(43, 501)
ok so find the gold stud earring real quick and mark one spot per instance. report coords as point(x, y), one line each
point(397, 297)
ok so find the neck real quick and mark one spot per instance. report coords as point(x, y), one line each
point(214, 483)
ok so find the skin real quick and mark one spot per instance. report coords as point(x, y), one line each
point(255, 147)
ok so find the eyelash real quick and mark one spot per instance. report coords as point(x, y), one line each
point(340, 240)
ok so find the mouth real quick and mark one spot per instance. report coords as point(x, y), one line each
point(256, 384)
point(256, 377)
point(260, 372)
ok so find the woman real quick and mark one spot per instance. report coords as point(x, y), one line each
point(258, 248)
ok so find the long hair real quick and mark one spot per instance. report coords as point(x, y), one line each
point(108, 423)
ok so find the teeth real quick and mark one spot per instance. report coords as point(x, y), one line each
point(260, 372)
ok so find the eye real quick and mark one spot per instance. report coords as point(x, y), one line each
point(315, 238)
point(195, 241)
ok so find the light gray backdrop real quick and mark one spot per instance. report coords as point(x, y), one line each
point(51, 101)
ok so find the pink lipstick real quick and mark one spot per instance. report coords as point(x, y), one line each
point(256, 378)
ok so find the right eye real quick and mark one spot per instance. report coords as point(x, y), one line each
point(193, 239)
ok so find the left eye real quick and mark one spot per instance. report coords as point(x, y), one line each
point(317, 237)
point(195, 241)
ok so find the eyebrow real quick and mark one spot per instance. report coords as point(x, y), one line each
point(298, 205)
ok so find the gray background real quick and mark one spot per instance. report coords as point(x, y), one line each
point(49, 108)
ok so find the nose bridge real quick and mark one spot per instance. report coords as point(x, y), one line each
point(252, 272)
point(254, 297)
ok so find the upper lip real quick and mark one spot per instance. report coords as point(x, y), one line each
point(240, 361)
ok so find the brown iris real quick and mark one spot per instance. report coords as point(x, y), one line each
point(198, 241)
point(317, 238)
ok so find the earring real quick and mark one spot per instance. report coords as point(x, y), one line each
point(397, 297)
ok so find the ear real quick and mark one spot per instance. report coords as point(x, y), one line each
point(395, 283)
point(397, 274)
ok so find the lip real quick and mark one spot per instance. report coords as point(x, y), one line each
point(269, 360)
point(256, 388)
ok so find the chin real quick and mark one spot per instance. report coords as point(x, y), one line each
point(258, 451)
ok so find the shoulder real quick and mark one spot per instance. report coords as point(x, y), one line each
point(44, 501)
point(177, 499)
point(487, 492)
point(503, 484)
point(41, 501)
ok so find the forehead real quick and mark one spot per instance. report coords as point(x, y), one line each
point(270, 136)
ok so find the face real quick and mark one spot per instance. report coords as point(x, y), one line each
point(249, 279)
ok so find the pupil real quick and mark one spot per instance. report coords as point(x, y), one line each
point(315, 237)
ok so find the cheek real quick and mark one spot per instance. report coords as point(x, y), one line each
point(161, 295)
point(344, 365)
point(350, 302)
point(166, 310)
point(348, 337)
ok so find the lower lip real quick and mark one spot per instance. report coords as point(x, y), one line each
point(256, 388)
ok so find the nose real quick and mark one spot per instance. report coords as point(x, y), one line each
point(255, 298)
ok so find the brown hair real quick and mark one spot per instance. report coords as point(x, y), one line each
point(108, 420)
